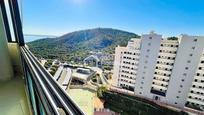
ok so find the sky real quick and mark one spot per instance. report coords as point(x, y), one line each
point(166, 17)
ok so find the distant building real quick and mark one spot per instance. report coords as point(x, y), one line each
point(83, 74)
point(104, 111)
point(169, 71)
point(92, 60)
point(42, 61)
point(99, 59)
point(56, 62)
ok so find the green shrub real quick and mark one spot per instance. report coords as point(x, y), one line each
point(129, 105)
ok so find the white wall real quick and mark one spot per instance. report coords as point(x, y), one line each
point(116, 66)
point(6, 71)
point(150, 45)
point(177, 87)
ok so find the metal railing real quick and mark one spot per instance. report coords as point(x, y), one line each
point(53, 97)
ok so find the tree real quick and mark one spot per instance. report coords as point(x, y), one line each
point(172, 38)
point(100, 91)
point(52, 72)
point(46, 65)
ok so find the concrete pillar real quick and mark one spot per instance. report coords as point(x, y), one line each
point(6, 71)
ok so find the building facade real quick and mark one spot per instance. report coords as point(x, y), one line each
point(169, 71)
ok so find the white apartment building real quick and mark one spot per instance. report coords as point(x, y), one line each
point(126, 64)
point(170, 71)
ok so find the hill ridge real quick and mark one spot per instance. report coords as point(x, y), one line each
point(76, 45)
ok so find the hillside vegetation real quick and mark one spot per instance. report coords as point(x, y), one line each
point(76, 45)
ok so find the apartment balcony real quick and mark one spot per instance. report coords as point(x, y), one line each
point(161, 77)
point(193, 95)
point(168, 48)
point(160, 82)
point(13, 98)
point(201, 64)
point(26, 87)
point(163, 71)
point(197, 90)
point(159, 87)
point(195, 101)
point(165, 66)
point(167, 54)
point(165, 60)
point(200, 71)
point(198, 84)
point(199, 78)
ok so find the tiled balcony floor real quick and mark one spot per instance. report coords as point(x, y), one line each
point(13, 100)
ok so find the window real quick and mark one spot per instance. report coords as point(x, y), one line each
point(189, 61)
point(181, 86)
point(182, 80)
point(195, 40)
point(191, 91)
point(196, 80)
point(164, 74)
point(190, 54)
point(186, 68)
point(150, 38)
point(193, 48)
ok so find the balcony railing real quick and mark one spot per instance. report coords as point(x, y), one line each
point(43, 89)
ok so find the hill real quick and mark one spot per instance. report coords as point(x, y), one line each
point(76, 45)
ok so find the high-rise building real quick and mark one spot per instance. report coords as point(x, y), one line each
point(169, 71)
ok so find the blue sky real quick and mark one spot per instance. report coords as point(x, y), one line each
point(167, 17)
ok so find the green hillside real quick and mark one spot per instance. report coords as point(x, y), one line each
point(76, 45)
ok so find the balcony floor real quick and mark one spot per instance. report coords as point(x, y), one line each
point(13, 100)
